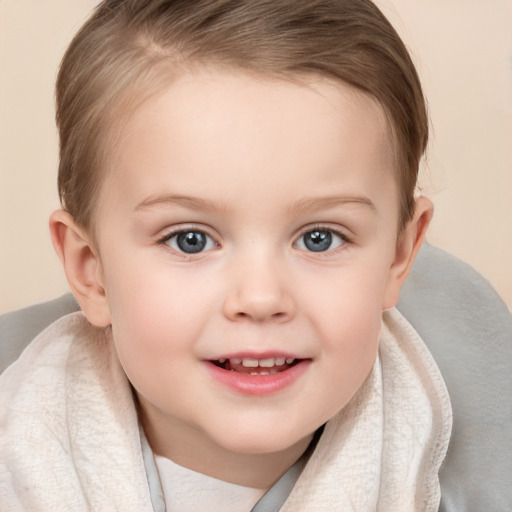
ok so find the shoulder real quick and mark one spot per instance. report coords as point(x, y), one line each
point(45, 358)
point(18, 328)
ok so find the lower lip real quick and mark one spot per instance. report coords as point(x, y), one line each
point(258, 385)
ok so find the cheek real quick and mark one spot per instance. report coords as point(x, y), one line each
point(349, 305)
point(351, 335)
point(154, 333)
point(347, 317)
point(147, 312)
point(144, 293)
point(351, 357)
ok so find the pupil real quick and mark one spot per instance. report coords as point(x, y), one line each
point(191, 242)
point(318, 241)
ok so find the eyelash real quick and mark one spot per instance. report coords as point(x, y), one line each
point(183, 231)
point(322, 228)
point(311, 229)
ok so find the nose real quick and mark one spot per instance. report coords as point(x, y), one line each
point(259, 292)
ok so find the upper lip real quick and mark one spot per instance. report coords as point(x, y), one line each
point(275, 360)
point(257, 355)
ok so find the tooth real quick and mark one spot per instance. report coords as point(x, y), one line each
point(280, 361)
point(267, 363)
point(250, 363)
point(222, 360)
point(254, 373)
point(235, 360)
point(264, 373)
point(289, 360)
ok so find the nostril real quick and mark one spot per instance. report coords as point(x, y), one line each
point(260, 316)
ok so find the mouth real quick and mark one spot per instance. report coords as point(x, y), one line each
point(258, 375)
point(250, 366)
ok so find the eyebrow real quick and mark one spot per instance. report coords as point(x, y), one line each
point(179, 200)
point(315, 204)
point(306, 205)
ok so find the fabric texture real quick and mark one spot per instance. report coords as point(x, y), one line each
point(69, 429)
point(384, 449)
point(189, 491)
point(18, 328)
point(70, 435)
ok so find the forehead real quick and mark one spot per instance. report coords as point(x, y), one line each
point(247, 128)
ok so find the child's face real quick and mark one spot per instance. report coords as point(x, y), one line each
point(248, 220)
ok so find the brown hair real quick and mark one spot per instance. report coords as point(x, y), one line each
point(128, 47)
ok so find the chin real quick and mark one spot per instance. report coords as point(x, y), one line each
point(251, 442)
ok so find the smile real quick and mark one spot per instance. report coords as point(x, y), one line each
point(257, 376)
point(250, 366)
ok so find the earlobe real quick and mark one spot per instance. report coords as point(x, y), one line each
point(82, 267)
point(408, 245)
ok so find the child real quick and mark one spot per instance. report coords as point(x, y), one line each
point(237, 181)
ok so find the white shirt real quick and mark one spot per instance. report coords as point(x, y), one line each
point(188, 491)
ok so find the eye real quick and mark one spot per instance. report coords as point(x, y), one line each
point(190, 241)
point(320, 240)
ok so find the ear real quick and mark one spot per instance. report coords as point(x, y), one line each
point(82, 267)
point(408, 244)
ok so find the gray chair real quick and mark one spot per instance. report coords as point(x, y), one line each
point(468, 329)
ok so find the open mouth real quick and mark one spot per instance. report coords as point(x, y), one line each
point(248, 366)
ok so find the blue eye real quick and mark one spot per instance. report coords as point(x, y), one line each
point(320, 240)
point(190, 242)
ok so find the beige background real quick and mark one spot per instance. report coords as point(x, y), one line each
point(463, 49)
